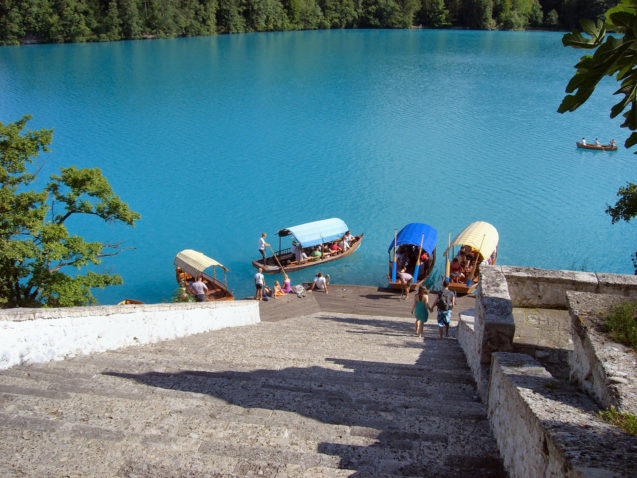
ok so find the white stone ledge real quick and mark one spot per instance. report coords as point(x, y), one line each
point(40, 335)
point(544, 430)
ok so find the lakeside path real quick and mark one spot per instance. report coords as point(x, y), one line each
point(325, 393)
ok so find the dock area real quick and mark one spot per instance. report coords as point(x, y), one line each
point(326, 385)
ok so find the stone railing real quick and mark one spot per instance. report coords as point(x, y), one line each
point(537, 420)
point(40, 335)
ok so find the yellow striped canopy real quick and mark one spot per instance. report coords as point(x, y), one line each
point(480, 235)
point(195, 262)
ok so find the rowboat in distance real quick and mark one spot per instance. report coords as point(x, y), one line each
point(414, 248)
point(328, 239)
point(477, 244)
point(598, 147)
point(129, 302)
point(190, 264)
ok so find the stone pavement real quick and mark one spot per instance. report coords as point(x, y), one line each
point(328, 394)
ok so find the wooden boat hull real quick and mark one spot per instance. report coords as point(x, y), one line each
point(602, 147)
point(217, 290)
point(430, 266)
point(291, 266)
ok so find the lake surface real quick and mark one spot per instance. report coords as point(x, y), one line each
point(217, 139)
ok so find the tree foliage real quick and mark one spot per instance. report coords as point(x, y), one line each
point(614, 55)
point(59, 21)
point(36, 247)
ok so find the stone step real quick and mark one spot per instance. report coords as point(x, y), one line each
point(313, 396)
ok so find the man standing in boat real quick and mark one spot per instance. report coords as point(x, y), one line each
point(262, 246)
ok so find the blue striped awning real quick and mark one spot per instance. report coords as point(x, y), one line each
point(413, 233)
point(317, 232)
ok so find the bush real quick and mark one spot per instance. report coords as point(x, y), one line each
point(625, 421)
point(622, 323)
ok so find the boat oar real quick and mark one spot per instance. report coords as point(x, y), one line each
point(393, 267)
point(277, 260)
point(447, 263)
point(416, 269)
point(475, 266)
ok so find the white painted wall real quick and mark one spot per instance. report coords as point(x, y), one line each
point(40, 335)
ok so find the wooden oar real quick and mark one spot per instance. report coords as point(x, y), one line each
point(447, 263)
point(475, 266)
point(417, 268)
point(393, 267)
point(277, 260)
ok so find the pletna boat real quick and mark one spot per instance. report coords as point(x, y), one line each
point(414, 248)
point(476, 244)
point(598, 147)
point(190, 264)
point(325, 239)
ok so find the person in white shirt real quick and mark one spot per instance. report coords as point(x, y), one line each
point(262, 246)
point(199, 288)
point(319, 282)
point(259, 284)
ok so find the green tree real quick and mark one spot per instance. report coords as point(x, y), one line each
point(614, 56)
point(35, 246)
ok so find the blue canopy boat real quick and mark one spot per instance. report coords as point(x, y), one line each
point(308, 237)
point(408, 249)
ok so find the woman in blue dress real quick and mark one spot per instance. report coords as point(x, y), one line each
point(421, 309)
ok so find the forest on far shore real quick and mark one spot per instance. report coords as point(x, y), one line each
point(61, 21)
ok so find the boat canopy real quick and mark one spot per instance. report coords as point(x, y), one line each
point(316, 232)
point(480, 235)
point(194, 263)
point(412, 234)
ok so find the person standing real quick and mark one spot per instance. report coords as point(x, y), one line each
point(259, 284)
point(199, 288)
point(445, 302)
point(262, 246)
point(420, 309)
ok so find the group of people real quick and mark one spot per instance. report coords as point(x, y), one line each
point(263, 292)
point(613, 143)
point(301, 254)
point(462, 266)
point(445, 301)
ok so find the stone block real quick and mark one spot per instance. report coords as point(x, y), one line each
point(495, 326)
point(541, 288)
point(598, 364)
point(543, 428)
point(620, 284)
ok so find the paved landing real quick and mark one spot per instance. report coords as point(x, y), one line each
point(331, 394)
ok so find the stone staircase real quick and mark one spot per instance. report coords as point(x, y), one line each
point(323, 395)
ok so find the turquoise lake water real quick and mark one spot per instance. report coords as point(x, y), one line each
point(217, 139)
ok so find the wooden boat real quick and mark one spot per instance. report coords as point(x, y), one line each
point(598, 147)
point(189, 265)
point(479, 242)
point(408, 246)
point(308, 236)
point(129, 302)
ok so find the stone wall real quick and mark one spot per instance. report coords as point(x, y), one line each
point(40, 335)
point(543, 428)
point(604, 369)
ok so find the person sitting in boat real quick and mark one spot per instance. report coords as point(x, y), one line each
point(597, 143)
point(334, 248)
point(316, 253)
point(584, 141)
point(296, 251)
point(613, 143)
point(455, 271)
point(348, 238)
